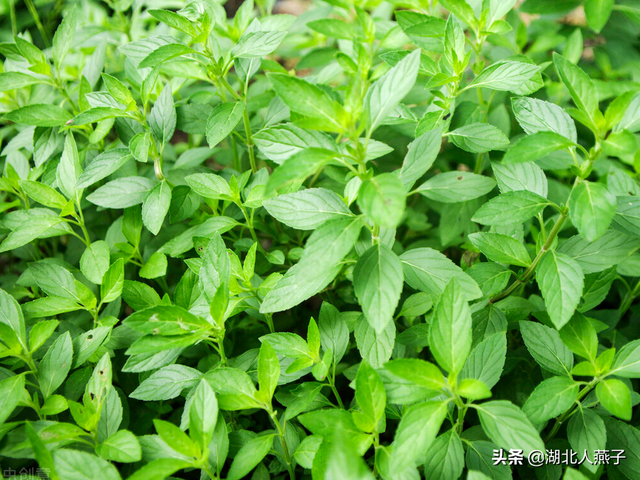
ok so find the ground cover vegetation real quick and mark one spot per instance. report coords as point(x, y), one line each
point(364, 240)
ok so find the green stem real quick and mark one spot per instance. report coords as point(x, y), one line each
point(283, 441)
point(528, 273)
point(269, 317)
point(562, 418)
point(628, 299)
point(36, 18)
point(247, 131)
point(332, 383)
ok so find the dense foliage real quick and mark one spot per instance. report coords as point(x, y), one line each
point(369, 240)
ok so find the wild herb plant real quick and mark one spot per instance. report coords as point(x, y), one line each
point(376, 240)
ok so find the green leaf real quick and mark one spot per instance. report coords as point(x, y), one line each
point(223, 119)
point(166, 383)
point(461, 9)
point(117, 89)
point(580, 87)
point(479, 138)
point(307, 209)
point(445, 459)
point(377, 281)
point(111, 287)
point(40, 333)
point(176, 438)
point(374, 347)
point(571, 474)
point(174, 20)
point(55, 365)
point(166, 320)
point(333, 28)
point(40, 115)
point(430, 271)
point(94, 262)
point(486, 360)
point(536, 115)
point(371, 396)
point(627, 217)
point(234, 388)
point(102, 166)
point(54, 280)
point(209, 185)
point(521, 176)
point(50, 306)
point(625, 437)
point(155, 266)
point(257, 44)
point(37, 226)
point(535, 146)
point(249, 455)
point(614, 395)
point(417, 371)
point(421, 154)
point(580, 337)
point(325, 248)
point(382, 199)
point(454, 187)
point(77, 465)
point(627, 361)
point(122, 192)
point(122, 446)
point(333, 330)
point(416, 432)
point(16, 81)
point(268, 371)
point(280, 142)
point(43, 194)
point(586, 432)
point(546, 347)
point(11, 315)
point(63, 37)
point(505, 75)
point(69, 168)
point(450, 331)
point(561, 282)
point(297, 168)
point(551, 398)
point(610, 249)
point(501, 248)
point(155, 207)
point(165, 53)
point(309, 100)
point(203, 414)
point(385, 94)
point(162, 118)
point(508, 426)
point(159, 469)
point(97, 114)
point(591, 208)
point(12, 390)
point(598, 12)
point(509, 208)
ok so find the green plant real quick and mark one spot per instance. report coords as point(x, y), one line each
point(414, 249)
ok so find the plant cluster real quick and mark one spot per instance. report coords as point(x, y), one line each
point(373, 240)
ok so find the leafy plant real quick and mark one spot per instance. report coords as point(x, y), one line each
point(376, 240)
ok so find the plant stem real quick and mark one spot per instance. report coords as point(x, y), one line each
point(628, 299)
point(332, 383)
point(528, 273)
point(571, 411)
point(247, 131)
point(287, 457)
